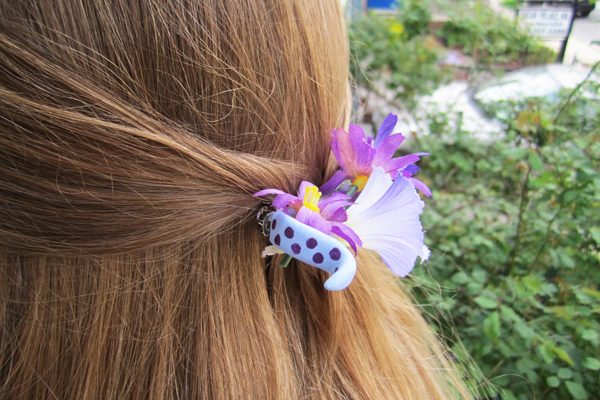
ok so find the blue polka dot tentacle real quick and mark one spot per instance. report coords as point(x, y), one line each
point(313, 247)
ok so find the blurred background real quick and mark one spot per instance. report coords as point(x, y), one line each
point(506, 98)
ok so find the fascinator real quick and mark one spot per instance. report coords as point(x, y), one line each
point(371, 203)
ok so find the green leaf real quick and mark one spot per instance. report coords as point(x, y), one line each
point(583, 297)
point(491, 325)
point(591, 363)
point(509, 314)
point(546, 353)
point(525, 332)
point(553, 381)
point(595, 234)
point(508, 395)
point(532, 283)
point(564, 373)
point(569, 196)
point(512, 4)
point(592, 292)
point(460, 278)
point(565, 256)
point(548, 289)
point(576, 390)
point(480, 275)
point(535, 161)
point(485, 302)
point(502, 380)
point(563, 355)
point(589, 334)
point(561, 312)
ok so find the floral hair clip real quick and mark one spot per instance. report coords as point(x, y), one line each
point(371, 203)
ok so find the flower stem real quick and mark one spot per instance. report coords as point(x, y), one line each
point(352, 191)
point(285, 261)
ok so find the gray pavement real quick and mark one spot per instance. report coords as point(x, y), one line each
point(580, 47)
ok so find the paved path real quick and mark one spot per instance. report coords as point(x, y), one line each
point(580, 49)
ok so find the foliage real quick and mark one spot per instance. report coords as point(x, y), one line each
point(514, 229)
point(480, 32)
point(415, 18)
point(397, 52)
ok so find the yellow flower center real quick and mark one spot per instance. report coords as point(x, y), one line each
point(360, 182)
point(311, 198)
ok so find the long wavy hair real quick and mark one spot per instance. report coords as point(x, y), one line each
point(133, 134)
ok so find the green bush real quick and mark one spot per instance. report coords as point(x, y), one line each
point(396, 52)
point(514, 229)
point(480, 32)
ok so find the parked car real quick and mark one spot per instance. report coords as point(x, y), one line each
point(583, 8)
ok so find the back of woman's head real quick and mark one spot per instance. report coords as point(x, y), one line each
point(133, 135)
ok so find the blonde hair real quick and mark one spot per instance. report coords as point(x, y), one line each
point(133, 135)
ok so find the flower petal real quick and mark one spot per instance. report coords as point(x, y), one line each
point(363, 153)
point(283, 200)
point(338, 215)
point(390, 225)
point(335, 181)
point(302, 190)
point(314, 219)
point(348, 235)
point(412, 169)
point(396, 164)
point(396, 253)
point(332, 203)
point(332, 207)
point(386, 129)
point(270, 251)
point(337, 196)
point(342, 149)
point(421, 186)
point(387, 149)
point(379, 182)
point(268, 191)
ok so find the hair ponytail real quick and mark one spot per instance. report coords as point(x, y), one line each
point(132, 137)
point(82, 171)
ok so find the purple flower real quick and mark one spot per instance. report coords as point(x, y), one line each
point(358, 155)
point(327, 215)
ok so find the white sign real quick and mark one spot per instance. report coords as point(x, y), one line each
point(547, 22)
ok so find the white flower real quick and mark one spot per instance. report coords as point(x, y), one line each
point(386, 219)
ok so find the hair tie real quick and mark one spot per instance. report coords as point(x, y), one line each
point(371, 203)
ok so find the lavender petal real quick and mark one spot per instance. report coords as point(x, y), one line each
point(342, 148)
point(386, 129)
point(363, 153)
point(399, 163)
point(421, 186)
point(283, 200)
point(348, 235)
point(387, 149)
point(335, 181)
point(268, 191)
